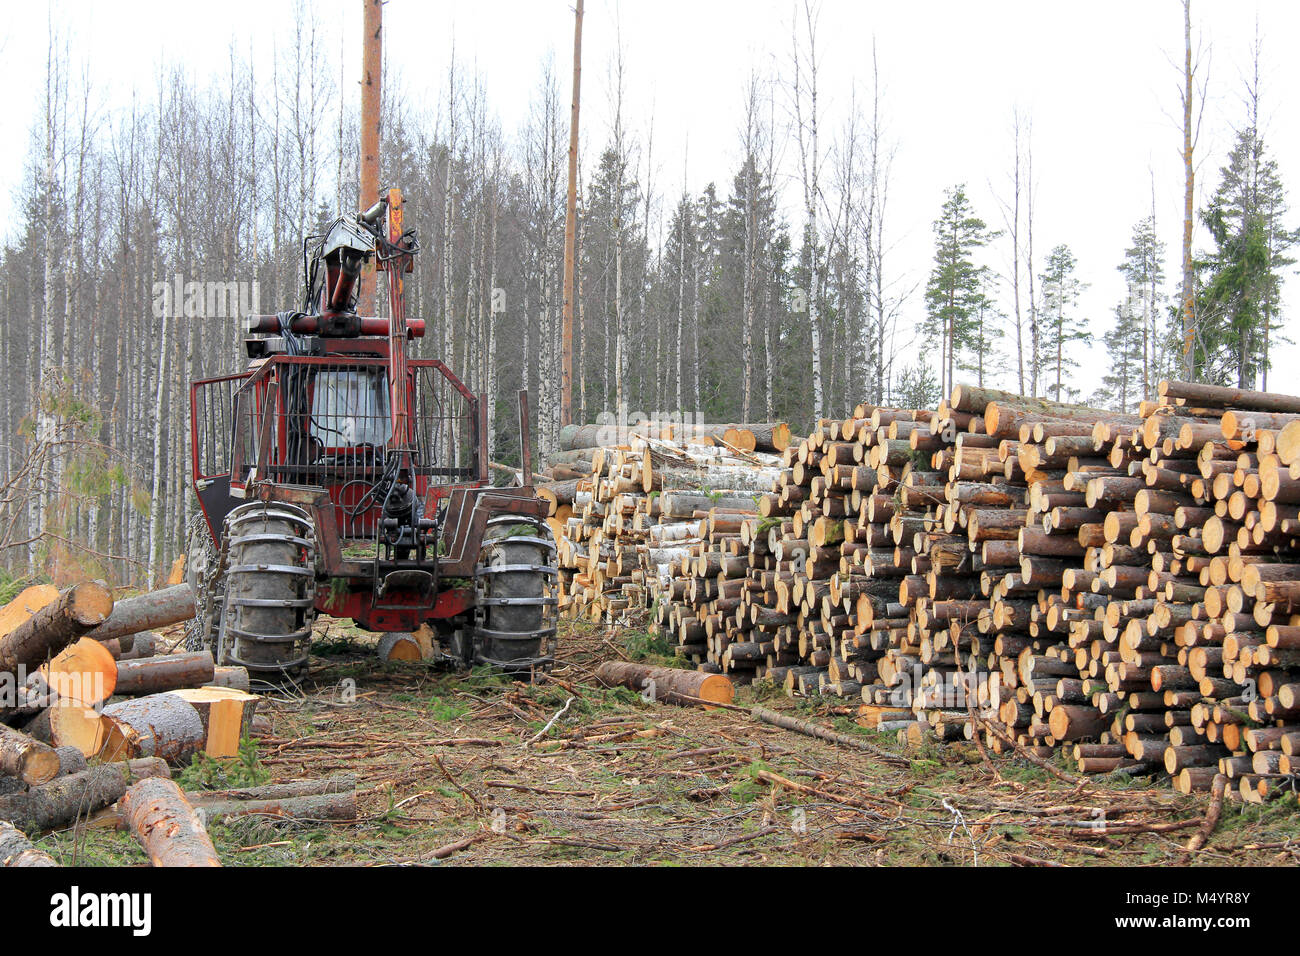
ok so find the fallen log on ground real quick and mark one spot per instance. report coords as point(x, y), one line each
point(71, 760)
point(17, 850)
point(666, 684)
point(399, 646)
point(340, 783)
point(340, 807)
point(162, 820)
point(824, 733)
point(64, 799)
point(236, 678)
point(226, 715)
point(148, 611)
point(84, 671)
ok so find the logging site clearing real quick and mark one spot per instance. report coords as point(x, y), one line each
point(951, 625)
point(619, 781)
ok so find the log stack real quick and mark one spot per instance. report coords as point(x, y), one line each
point(1038, 574)
point(643, 506)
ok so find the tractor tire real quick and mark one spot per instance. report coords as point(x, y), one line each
point(204, 575)
point(515, 620)
point(270, 589)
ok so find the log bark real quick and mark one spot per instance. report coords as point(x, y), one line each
point(558, 493)
point(16, 850)
point(165, 824)
point(575, 437)
point(787, 722)
point(1202, 395)
point(336, 807)
point(666, 684)
point(66, 798)
point(680, 504)
point(155, 675)
point(236, 678)
point(398, 646)
point(340, 783)
point(226, 714)
point(161, 725)
point(148, 611)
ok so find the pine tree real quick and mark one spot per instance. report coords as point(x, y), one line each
point(917, 386)
point(1144, 269)
point(984, 333)
point(1062, 326)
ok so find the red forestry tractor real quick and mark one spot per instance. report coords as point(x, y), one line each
point(339, 475)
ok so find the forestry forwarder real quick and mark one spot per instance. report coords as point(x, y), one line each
point(339, 475)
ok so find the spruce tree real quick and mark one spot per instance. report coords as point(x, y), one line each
point(955, 290)
point(1122, 387)
point(1241, 278)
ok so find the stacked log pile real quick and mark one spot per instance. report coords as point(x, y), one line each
point(1035, 574)
point(643, 506)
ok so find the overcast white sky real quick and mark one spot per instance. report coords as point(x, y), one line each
point(1098, 79)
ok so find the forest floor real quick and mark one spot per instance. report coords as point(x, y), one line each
point(458, 770)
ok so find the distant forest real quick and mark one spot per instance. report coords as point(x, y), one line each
point(711, 304)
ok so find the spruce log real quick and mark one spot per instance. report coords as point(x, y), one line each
point(574, 457)
point(1201, 395)
point(681, 504)
point(334, 807)
point(27, 602)
point(55, 626)
point(71, 760)
point(165, 824)
point(667, 685)
point(85, 671)
point(161, 725)
point(399, 646)
point(147, 611)
point(341, 783)
point(787, 722)
point(575, 437)
point(155, 675)
point(1287, 443)
point(235, 678)
point(226, 714)
point(66, 798)
point(31, 761)
point(558, 493)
